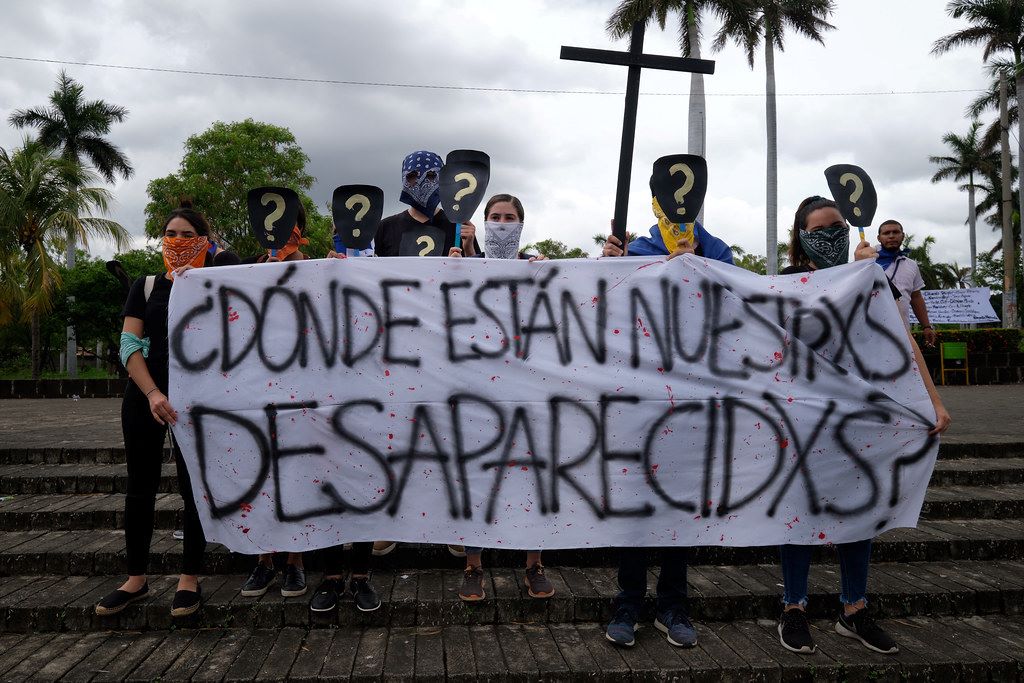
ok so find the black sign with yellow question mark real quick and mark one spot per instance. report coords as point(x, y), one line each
point(679, 183)
point(357, 210)
point(853, 191)
point(464, 179)
point(272, 215)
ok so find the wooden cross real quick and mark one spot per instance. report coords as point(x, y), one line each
point(635, 59)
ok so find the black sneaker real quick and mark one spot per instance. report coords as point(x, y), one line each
point(861, 626)
point(112, 603)
point(294, 583)
point(365, 597)
point(186, 602)
point(259, 581)
point(326, 597)
point(794, 632)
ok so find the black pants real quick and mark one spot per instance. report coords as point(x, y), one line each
point(633, 564)
point(359, 559)
point(144, 447)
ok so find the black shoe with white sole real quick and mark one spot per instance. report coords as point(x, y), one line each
point(862, 627)
point(795, 632)
point(364, 595)
point(327, 594)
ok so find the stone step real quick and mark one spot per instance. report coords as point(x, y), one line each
point(62, 512)
point(102, 551)
point(430, 598)
point(115, 454)
point(943, 648)
point(113, 477)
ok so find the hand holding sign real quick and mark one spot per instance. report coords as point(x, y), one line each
point(357, 210)
point(679, 183)
point(464, 180)
point(855, 194)
point(272, 215)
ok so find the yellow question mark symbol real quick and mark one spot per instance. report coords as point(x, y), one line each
point(428, 242)
point(470, 188)
point(687, 184)
point(363, 202)
point(279, 204)
point(858, 188)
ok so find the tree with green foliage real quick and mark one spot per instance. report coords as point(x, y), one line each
point(220, 166)
point(92, 299)
point(764, 23)
point(42, 201)
point(554, 249)
point(77, 128)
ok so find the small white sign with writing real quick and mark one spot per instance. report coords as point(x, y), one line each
point(970, 305)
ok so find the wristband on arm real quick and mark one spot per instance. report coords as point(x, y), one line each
point(130, 343)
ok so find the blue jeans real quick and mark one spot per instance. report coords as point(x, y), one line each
point(671, 589)
point(853, 571)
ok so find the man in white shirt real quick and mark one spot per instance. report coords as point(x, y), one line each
point(904, 274)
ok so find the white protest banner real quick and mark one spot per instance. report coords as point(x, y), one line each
point(620, 402)
point(971, 305)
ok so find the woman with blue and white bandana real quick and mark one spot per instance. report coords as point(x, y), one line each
point(821, 239)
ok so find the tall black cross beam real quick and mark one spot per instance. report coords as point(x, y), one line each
point(635, 59)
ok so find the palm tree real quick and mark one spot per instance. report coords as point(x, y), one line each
point(77, 128)
point(690, 12)
point(968, 160)
point(42, 199)
point(766, 21)
point(989, 101)
point(998, 26)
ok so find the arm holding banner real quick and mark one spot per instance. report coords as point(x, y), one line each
point(921, 312)
point(942, 417)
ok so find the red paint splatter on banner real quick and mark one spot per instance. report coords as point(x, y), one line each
point(387, 373)
point(246, 507)
point(245, 530)
point(778, 355)
point(615, 331)
point(784, 443)
point(821, 535)
point(803, 280)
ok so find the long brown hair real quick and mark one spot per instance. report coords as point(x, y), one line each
point(797, 256)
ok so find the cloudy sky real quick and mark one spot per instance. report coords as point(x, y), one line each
point(557, 152)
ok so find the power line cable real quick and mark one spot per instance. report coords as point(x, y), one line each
point(421, 86)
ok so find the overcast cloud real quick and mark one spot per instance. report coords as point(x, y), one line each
point(558, 153)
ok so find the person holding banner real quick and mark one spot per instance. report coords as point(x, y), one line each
point(146, 414)
point(672, 617)
point(422, 229)
point(694, 239)
point(503, 225)
point(820, 239)
point(905, 275)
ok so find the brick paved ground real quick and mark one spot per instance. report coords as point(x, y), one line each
point(951, 591)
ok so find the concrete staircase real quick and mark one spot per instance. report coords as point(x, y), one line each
point(951, 591)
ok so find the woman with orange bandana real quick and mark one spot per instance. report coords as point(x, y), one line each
point(146, 413)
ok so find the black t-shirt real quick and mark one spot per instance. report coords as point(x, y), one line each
point(790, 270)
point(403, 235)
point(153, 314)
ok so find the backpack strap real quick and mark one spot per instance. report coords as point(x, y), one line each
point(150, 283)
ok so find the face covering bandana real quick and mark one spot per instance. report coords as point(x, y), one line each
point(292, 245)
point(501, 240)
point(185, 251)
point(827, 247)
point(671, 233)
point(425, 193)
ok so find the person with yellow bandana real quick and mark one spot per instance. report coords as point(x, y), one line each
point(146, 413)
point(671, 239)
